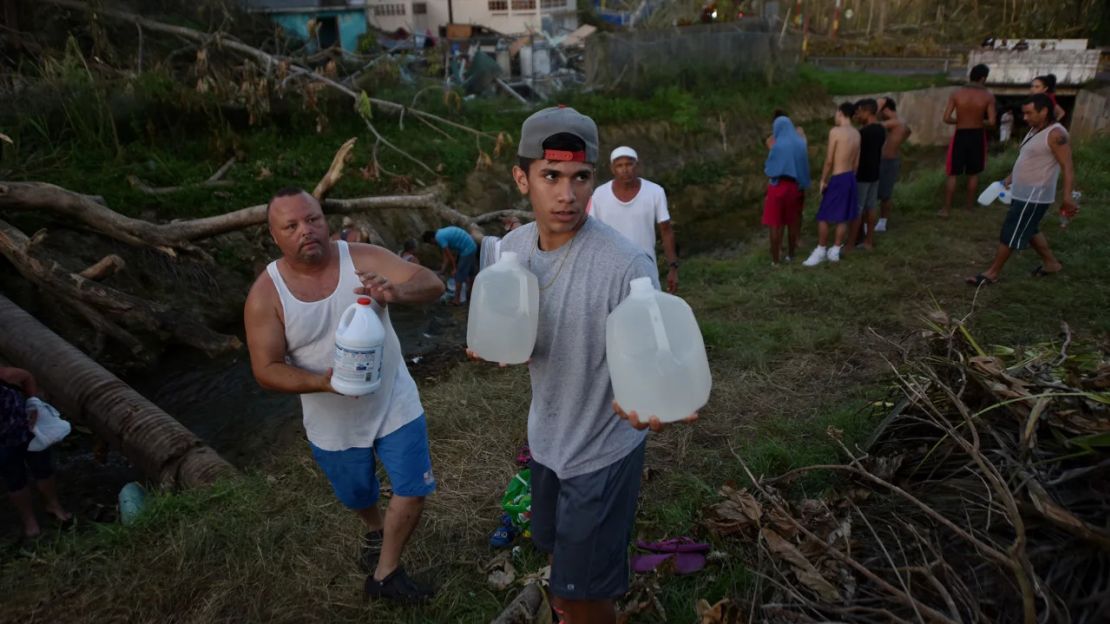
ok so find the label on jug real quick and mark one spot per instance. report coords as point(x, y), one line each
point(357, 365)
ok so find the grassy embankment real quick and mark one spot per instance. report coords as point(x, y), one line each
point(793, 351)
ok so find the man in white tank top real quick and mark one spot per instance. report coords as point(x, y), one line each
point(1045, 152)
point(291, 315)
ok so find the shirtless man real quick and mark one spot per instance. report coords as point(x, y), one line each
point(896, 133)
point(839, 195)
point(971, 110)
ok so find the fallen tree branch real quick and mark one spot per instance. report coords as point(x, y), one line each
point(222, 171)
point(166, 237)
point(266, 59)
point(899, 595)
point(106, 266)
point(143, 187)
point(335, 170)
point(127, 309)
point(214, 181)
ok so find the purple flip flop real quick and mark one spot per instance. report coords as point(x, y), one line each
point(688, 555)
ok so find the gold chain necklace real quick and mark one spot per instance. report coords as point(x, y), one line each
point(562, 262)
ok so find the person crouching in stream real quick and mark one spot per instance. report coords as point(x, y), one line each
point(291, 315)
point(788, 169)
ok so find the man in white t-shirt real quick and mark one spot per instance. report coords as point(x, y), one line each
point(633, 206)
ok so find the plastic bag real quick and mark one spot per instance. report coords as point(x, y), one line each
point(50, 428)
point(517, 501)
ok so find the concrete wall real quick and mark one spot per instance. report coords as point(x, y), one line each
point(1072, 67)
point(923, 111)
point(1092, 114)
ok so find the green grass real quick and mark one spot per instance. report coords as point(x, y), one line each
point(860, 82)
point(794, 351)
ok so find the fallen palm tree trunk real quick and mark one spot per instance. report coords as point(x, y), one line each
point(984, 496)
point(43, 197)
point(163, 449)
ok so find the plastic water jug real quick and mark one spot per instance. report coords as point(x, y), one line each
point(359, 345)
point(996, 190)
point(504, 312)
point(657, 360)
point(132, 500)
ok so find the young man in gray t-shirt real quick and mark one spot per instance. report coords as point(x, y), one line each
point(587, 454)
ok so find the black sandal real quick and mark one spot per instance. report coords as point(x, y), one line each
point(979, 280)
point(1040, 272)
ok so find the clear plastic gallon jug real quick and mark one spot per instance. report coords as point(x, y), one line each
point(359, 343)
point(504, 312)
point(656, 356)
point(996, 190)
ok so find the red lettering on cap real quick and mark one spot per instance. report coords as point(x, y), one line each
point(564, 155)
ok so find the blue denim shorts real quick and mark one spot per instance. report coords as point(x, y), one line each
point(403, 453)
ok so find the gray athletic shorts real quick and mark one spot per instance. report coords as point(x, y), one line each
point(888, 175)
point(868, 196)
point(586, 523)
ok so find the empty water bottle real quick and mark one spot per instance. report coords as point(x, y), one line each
point(656, 355)
point(1066, 214)
point(504, 312)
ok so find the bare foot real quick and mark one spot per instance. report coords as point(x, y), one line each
point(59, 512)
point(943, 213)
point(867, 247)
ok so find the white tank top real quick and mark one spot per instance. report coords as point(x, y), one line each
point(1036, 170)
point(331, 421)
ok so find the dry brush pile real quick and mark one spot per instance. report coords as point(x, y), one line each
point(983, 497)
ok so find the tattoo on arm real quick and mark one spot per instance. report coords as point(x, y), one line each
point(1062, 140)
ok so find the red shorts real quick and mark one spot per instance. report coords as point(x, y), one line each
point(783, 205)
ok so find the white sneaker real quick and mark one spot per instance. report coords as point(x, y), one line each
point(819, 255)
point(880, 226)
point(834, 253)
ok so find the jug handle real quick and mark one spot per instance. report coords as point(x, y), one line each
point(345, 320)
point(524, 299)
point(657, 324)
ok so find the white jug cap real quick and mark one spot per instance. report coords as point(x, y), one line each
point(508, 256)
point(641, 286)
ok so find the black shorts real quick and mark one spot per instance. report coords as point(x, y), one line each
point(17, 464)
point(1023, 222)
point(967, 153)
point(586, 523)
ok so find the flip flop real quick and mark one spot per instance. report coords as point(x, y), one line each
point(1040, 272)
point(642, 564)
point(684, 562)
point(979, 280)
point(688, 563)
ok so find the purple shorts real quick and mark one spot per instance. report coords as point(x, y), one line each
point(840, 202)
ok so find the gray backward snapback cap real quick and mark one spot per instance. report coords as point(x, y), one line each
point(550, 121)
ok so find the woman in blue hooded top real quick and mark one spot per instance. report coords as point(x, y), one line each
point(788, 170)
